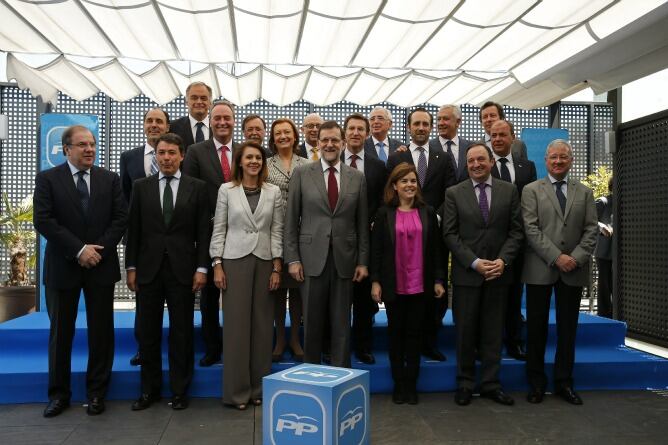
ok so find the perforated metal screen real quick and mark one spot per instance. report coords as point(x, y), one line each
point(641, 213)
point(123, 121)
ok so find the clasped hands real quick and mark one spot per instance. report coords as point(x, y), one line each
point(490, 269)
point(565, 263)
point(90, 257)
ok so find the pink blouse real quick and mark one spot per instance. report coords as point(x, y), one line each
point(408, 253)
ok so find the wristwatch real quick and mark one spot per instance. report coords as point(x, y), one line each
point(216, 261)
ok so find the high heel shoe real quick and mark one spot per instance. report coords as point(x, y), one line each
point(296, 357)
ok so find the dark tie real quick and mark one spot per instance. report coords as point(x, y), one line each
point(353, 161)
point(422, 166)
point(505, 173)
point(560, 195)
point(449, 149)
point(199, 134)
point(332, 189)
point(82, 188)
point(167, 200)
point(482, 201)
point(381, 152)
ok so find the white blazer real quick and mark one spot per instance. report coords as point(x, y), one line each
point(238, 232)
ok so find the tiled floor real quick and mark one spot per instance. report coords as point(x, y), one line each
point(626, 417)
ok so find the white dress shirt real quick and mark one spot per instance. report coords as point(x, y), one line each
point(174, 185)
point(416, 153)
point(454, 147)
point(509, 164)
point(75, 177)
point(309, 151)
point(359, 162)
point(325, 173)
point(386, 146)
point(228, 153)
point(564, 186)
point(149, 153)
point(205, 127)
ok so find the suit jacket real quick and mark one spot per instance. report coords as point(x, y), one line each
point(132, 168)
point(202, 162)
point(468, 236)
point(462, 171)
point(311, 226)
point(370, 149)
point(550, 233)
point(604, 245)
point(440, 173)
point(280, 177)
point(525, 173)
point(185, 240)
point(237, 231)
point(383, 249)
point(375, 175)
point(58, 216)
point(518, 148)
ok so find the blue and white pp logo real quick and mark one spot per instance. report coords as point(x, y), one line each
point(351, 417)
point(54, 147)
point(317, 374)
point(297, 418)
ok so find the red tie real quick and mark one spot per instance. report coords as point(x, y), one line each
point(332, 188)
point(225, 164)
point(353, 161)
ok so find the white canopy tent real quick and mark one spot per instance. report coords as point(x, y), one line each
point(524, 53)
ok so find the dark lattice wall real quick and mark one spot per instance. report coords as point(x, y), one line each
point(642, 235)
point(124, 124)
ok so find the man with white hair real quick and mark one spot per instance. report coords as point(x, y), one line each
point(310, 128)
point(379, 144)
point(448, 120)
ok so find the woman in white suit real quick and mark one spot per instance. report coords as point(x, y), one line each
point(246, 247)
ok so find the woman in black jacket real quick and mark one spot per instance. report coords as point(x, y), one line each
point(406, 269)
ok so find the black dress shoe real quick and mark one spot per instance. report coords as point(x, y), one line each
point(55, 407)
point(365, 357)
point(498, 396)
point(398, 394)
point(463, 396)
point(95, 406)
point(179, 403)
point(434, 354)
point(569, 395)
point(135, 360)
point(209, 360)
point(411, 396)
point(516, 352)
point(327, 358)
point(535, 395)
point(144, 401)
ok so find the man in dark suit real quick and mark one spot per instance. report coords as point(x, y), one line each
point(356, 129)
point(519, 172)
point(448, 119)
point(379, 144)
point(604, 254)
point(167, 259)
point(80, 210)
point(211, 161)
point(491, 112)
point(140, 162)
point(327, 243)
point(560, 226)
point(194, 127)
point(310, 127)
point(482, 227)
point(435, 174)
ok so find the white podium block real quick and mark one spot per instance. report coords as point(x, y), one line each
point(315, 405)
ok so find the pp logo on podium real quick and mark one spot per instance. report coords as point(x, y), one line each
point(297, 419)
point(317, 374)
point(351, 416)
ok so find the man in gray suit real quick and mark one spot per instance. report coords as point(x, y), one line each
point(560, 226)
point(482, 227)
point(327, 243)
point(379, 144)
point(448, 120)
point(491, 112)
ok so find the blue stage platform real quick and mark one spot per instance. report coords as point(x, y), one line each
point(602, 360)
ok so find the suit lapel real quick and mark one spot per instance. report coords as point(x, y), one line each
point(571, 191)
point(319, 181)
point(472, 199)
point(425, 228)
point(549, 191)
point(494, 206)
point(68, 184)
point(182, 197)
point(243, 201)
point(95, 190)
point(345, 177)
point(153, 199)
point(392, 223)
point(434, 164)
point(215, 160)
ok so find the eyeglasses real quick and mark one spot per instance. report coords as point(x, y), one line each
point(83, 145)
point(312, 126)
point(558, 157)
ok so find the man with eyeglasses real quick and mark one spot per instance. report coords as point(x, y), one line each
point(310, 127)
point(80, 210)
point(194, 127)
point(560, 225)
point(379, 144)
point(327, 243)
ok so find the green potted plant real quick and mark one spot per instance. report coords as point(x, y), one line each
point(17, 292)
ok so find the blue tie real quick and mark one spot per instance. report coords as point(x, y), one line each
point(381, 152)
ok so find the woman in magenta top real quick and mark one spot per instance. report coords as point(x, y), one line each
point(406, 268)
